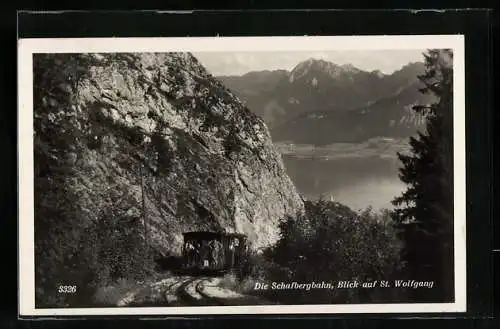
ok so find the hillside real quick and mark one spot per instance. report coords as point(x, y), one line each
point(390, 116)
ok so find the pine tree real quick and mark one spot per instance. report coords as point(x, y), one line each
point(424, 212)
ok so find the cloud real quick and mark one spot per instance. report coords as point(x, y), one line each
point(234, 63)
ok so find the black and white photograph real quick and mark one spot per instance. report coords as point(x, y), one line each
point(242, 175)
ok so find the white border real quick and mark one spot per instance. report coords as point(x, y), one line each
point(27, 47)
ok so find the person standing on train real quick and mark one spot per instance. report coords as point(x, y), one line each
point(231, 254)
point(216, 253)
point(204, 254)
point(190, 253)
point(210, 254)
point(237, 251)
point(197, 256)
point(233, 249)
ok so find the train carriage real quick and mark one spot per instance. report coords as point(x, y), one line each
point(213, 251)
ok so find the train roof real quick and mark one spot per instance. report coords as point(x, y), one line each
point(209, 234)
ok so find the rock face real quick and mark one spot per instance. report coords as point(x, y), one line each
point(155, 135)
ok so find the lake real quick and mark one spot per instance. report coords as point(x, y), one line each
point(358, 181)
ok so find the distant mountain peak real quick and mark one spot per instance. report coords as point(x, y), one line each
point(312, 63)
point(378, 73)
point(350, 68)
point(321, 65)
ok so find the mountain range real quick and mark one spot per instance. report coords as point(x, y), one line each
point(319, 102)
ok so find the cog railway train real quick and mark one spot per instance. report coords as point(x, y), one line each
point(214, 252)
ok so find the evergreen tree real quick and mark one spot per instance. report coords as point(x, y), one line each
point(424, 212)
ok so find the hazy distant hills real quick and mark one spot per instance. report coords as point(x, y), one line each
point(390, 116)
point(320, 102)
point(254, 83)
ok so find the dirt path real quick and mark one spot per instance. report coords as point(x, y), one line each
point(187, 291)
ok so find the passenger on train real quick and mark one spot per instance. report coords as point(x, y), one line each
point(237, 251)
point(190, 252)
point(204, 254)
point(216, 249)
point(233, 246)
point(197, 256)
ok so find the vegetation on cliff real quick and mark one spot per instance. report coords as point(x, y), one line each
point(329, 243)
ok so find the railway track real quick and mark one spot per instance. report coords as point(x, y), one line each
point(191, 293)
point(172, 293)
point(212, 300)
point(195, 291)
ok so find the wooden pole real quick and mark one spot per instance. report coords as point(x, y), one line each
point(144, 215)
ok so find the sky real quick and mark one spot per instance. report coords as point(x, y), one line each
point(238, 63)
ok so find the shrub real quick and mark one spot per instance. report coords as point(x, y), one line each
point(99, 254)
point(113, 295)
point(331, 242)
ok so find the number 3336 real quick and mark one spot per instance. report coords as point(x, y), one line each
point(67, 289)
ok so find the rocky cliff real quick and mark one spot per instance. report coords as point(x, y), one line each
point(154, 136)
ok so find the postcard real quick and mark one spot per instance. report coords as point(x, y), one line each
point(242, 175)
